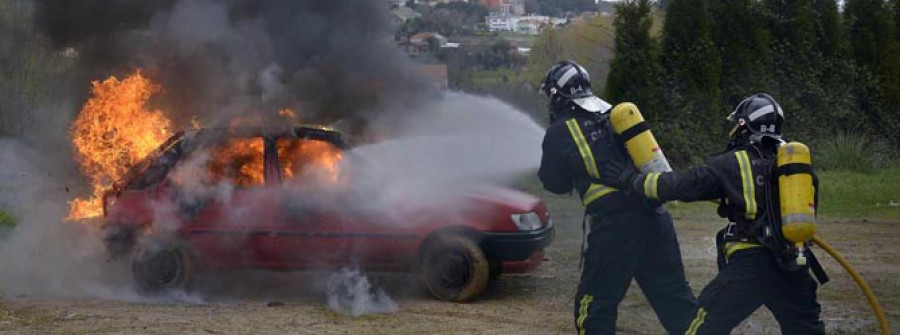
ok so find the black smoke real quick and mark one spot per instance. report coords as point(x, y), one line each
point(217, 59)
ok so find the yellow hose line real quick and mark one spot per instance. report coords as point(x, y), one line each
point(859, 281)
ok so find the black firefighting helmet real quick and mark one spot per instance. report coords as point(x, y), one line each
point(569, 82)
point(756, 117)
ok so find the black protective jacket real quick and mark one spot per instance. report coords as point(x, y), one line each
point(564, 168)
point(740, 179)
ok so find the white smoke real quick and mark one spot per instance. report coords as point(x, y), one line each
point(461, 140)
point(350, 293)
point(45, 256)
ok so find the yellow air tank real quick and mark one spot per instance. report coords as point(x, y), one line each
point(628, 123)
point(797, 195)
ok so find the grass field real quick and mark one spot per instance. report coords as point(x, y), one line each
point(859, 195)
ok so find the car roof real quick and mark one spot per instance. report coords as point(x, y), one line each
point(188, 140)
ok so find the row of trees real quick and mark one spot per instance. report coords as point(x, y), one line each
point(832, 71)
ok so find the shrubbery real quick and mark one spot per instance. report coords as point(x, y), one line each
point(851, 153)
point(6, 223)
point(832, 72)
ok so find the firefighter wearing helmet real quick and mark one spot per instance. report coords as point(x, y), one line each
point(625, 235)
point(758, 264)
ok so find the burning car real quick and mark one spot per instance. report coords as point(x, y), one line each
point(226, 198)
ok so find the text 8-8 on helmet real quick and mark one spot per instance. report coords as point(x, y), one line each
point(568, 83)
point(757, 117)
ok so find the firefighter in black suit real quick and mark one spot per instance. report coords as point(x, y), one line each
point(754, 269)
point(625, 235)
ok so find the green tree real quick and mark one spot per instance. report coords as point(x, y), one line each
point(634, 70)
point(832, 41)
point(797, 63)
point(744, 39)
point(871, 29)
point(896, 5)
point(547, 49)
point(692, 70)
point(589, 43)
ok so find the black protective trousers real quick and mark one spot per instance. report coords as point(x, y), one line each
point(639, 244)
point(750, 279)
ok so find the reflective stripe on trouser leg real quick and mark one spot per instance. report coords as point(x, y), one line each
point(583, 310)
point(698, 321)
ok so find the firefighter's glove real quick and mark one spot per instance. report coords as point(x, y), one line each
point(618, 175)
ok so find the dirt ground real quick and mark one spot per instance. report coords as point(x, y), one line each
point(539, 303)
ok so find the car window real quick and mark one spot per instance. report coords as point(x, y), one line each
point(238, 160)
point(304, 158)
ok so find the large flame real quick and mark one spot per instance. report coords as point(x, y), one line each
point(114, 130)
point(309, 158)
point(239, 161)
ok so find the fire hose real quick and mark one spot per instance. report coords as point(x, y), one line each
point(876, 308)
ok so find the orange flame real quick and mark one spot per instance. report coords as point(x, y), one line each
point(240, 159)
point(298, 157)
point(114, 130)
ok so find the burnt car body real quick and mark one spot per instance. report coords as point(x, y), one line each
point(168, 234)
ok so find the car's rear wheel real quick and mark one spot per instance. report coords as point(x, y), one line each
point(160, 264)
point(455, 268)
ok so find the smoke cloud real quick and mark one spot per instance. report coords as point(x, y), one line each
point(331, 60)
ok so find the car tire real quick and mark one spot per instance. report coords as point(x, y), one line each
point(455, 268)
point(159, 265)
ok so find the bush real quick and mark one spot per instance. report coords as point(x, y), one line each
point(851, 153)
point(6, 223)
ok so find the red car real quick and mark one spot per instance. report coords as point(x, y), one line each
point(169, 230)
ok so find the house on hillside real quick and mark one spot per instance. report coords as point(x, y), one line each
point(529, 26)
point(423, 42)
point(515, 7)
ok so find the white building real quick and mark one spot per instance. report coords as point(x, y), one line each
point(531, 24)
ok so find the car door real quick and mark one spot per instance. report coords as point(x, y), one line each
point(311, 230)
point(219, 192)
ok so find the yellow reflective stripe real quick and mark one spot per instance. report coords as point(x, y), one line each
point(595, 191)
point(732, 247)
point(651, 185)
point(583, 312)
point(747, 182)
point(583, 148)
point(698, 321)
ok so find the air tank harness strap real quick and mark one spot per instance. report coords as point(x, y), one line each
point(635, 130)
point(793, 168)
point(816, 267)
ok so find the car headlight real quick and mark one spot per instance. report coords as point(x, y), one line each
point(527, 221)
